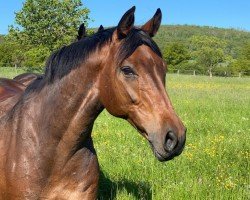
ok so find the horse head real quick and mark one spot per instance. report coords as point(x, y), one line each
point(132, 85)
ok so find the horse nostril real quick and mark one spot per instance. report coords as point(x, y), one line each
point(170, 141)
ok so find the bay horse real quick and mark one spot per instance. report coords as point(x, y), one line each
point(46, 149)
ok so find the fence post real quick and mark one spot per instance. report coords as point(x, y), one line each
point(178, 72)
point(194, 72)
point(16, 68)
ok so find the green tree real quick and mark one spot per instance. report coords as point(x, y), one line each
point(11, 54)
point(242, 64)
point(209, 57)
point(245, 51)
point(5, 55)
point(1, 39)
point(176, 53)
point(35, 57)
point(208, 51)
point(48, 23)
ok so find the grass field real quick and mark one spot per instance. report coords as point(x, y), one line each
point(215, 163)
point(10, 72)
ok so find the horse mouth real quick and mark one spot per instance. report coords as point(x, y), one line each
point(162, 158)
point(159, 156)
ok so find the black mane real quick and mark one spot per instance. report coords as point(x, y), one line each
point(61, 62)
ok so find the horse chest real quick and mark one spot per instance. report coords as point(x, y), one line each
point(78, 179)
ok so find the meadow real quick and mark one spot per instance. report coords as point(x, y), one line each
point(215, 163)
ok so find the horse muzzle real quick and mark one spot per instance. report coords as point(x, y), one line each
point(171, 147)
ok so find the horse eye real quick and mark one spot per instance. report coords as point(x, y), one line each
point(127, 71)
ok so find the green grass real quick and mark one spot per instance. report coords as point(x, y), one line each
point(215, 163)
point(11, 72)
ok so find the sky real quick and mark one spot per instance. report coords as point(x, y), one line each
point(218, 13)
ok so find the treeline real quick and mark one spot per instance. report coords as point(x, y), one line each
point(207, 50)
point(44, 26)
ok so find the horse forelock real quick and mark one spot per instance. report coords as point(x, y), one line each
point(134, 39)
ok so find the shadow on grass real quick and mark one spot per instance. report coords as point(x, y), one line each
point(108, 189)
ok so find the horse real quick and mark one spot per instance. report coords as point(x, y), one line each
point(46, 148)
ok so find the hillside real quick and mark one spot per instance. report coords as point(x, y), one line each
point(230, 53)
point(181, 33)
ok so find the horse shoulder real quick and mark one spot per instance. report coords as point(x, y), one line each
point(78, 179)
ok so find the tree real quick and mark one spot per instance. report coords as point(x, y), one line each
point(242, 64)
point(176, 53)
point(245, 52)
point(35, 57)
point(11, 54)
point(208, 51)
point(209, 57)
point(1, 39)
point(5, 55)
point(48, 23)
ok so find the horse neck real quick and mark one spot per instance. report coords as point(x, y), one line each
point(68, 109)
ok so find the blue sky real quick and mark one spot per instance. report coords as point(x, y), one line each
point(219, 13)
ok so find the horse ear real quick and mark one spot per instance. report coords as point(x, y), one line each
point(81, 32)
point(126, 23)
point(152, 26)
point(100, 28)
